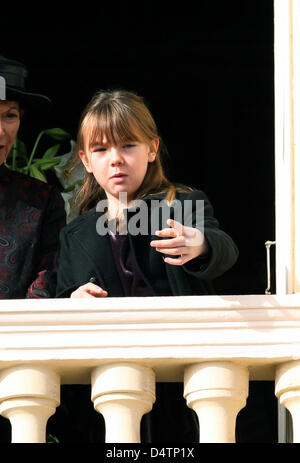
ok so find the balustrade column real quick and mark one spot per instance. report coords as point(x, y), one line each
point(29, 395)
point(287, 389)
point(123, 393)
point(216, 391)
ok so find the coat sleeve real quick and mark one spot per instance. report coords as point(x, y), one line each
point(223, 252)
point(73, 270)
point(54, 219)
point(66, 279)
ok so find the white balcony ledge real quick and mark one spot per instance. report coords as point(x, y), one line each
point(214, 344)
point(167, 333)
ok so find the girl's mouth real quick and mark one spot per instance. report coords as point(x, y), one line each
point(117, 176)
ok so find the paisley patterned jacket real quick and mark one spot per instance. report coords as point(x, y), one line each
point(31, 216)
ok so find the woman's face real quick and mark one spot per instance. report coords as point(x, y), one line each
point(10, 115)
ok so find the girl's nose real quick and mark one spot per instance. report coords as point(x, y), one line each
point(116, 158)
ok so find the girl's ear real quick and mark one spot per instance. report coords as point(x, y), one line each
point(85, 160)
point(153, 150)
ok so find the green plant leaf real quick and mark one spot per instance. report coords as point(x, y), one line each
point(52, 151)
point(45, 163)
point(36, 173)
point(23, 170)
point(58, 134)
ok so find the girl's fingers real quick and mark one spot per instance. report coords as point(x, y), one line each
point(173, 251)
point(81, 294)
point(176, 226)
point(96, 292)
point(176, 229)
point(173, 242)
point(178, 261)
point(185, 242)
point(89, 290)
point(167, 232)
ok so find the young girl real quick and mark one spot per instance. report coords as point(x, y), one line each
point(169, 245)
point(119, 145)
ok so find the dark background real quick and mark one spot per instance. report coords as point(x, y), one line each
point(206, 70)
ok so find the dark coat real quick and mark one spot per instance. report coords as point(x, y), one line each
point(85, 253)
point(32, 214)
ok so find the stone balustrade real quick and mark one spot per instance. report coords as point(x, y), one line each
point(122, 346)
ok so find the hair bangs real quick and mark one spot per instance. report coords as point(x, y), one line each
point(110, 127)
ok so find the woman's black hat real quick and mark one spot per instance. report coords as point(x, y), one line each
point(12, 85)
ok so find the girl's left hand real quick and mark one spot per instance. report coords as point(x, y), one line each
point(186, 242)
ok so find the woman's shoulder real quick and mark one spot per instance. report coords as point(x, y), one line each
point(18, 177)
point(30, 186)
point(27, 189)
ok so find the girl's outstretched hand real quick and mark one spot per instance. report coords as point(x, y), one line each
point(185, 242)
point(89, 290)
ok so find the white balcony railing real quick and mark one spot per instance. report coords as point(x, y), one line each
point(123, 345)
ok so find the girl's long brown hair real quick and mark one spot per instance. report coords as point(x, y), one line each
point(120, 116)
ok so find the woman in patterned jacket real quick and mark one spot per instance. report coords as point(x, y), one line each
point(31, 212)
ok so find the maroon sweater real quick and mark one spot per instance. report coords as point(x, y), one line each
point(132, 283)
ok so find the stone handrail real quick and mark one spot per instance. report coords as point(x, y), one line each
point(214, 344)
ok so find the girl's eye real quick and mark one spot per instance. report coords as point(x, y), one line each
point(98, 150)
point(129, 145)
